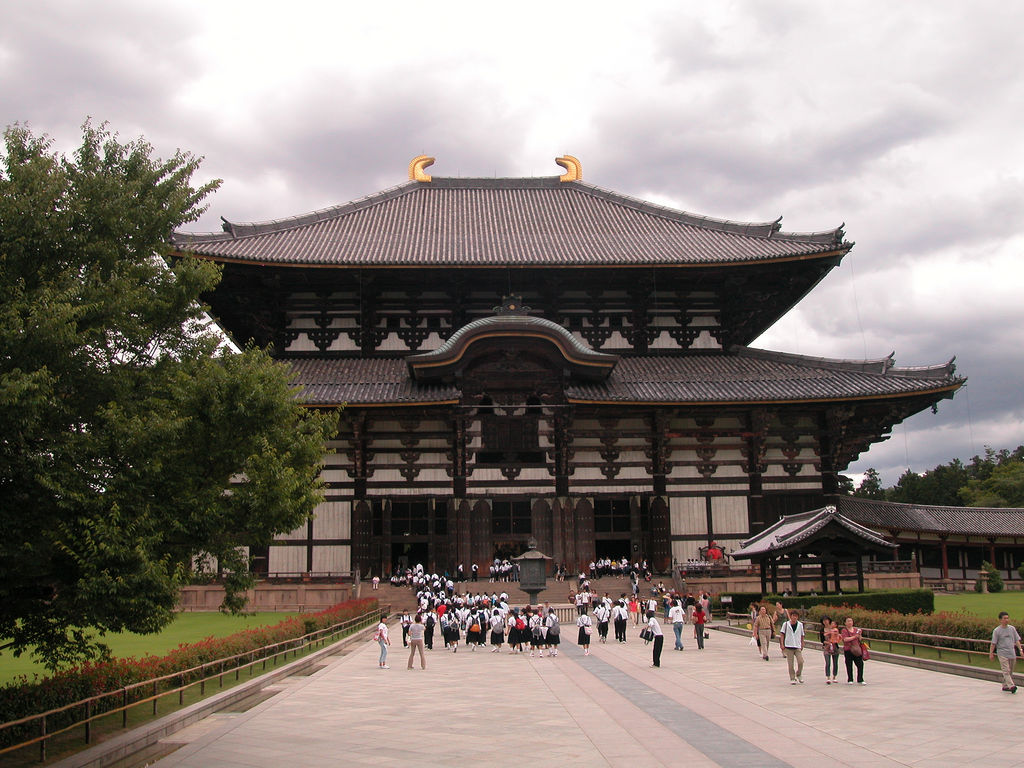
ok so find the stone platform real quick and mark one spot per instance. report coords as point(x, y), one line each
point(723, 706)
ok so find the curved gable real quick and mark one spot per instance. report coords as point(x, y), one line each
point(512, 331)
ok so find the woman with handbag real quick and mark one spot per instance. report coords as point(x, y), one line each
point(853, 653)
point(586, 627)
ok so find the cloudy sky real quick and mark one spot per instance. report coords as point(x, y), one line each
point(903, 120)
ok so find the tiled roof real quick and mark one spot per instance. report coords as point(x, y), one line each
point(743, 375)
point(978, 521)
point(793, 530)
point(489, 222)
point(749, 375)
point(374, 381)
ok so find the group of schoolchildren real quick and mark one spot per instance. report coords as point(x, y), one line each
point(476, 624)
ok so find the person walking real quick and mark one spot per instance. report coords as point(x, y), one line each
point(791, 639)
point(586, 627)
point(700, 618)
point(830, 642)
point(602, 613)
point(554, 631)
point(497, 630)
point(620, 617)
point(406, 622)
point(657, 637)
point(634, 609)
point(1004, 639)
point(853, 653)
point(677, 616)
point(762, 630)
point(381, 636)
point(416, 641)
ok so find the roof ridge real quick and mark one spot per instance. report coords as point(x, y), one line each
point(766, 229)
point(762, 230)
point(237, 230)
point(881, 365)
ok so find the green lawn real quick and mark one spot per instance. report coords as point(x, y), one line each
point(987, 606)
point(186, 628)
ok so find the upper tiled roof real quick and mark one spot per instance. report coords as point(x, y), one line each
point(792, 530)
point(743, 376)
point(979, 521)
point(494, 222)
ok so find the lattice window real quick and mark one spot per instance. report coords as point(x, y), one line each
point(511, 517)
point(611, 516)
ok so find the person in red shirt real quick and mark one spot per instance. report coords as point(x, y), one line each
point(699, 620)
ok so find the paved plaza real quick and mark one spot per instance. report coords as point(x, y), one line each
point(723, 706)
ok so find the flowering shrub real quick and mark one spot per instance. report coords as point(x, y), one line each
point(945, 623)
point(21, 698)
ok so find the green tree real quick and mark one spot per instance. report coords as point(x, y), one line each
point(871, 486)
point(939, 487)
point(1003, 487)
point(131, 441)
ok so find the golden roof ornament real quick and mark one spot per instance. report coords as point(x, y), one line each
point(573, 168)
point(416, 167)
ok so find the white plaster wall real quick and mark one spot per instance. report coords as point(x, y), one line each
point(332, 520)
point(729, 513)
point(688, 515)
point(286, 560)
point(335, 558)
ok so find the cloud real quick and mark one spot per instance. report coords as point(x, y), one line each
point(901, 121)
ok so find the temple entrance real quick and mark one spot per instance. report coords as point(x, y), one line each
point(407, 555)
point(616, 549)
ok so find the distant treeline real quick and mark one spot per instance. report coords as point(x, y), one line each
point(993, 480)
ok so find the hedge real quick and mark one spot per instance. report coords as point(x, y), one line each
point(22, 698)
point(902, 600)
point(945, 623)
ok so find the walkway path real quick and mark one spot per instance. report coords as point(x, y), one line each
point(723, 706)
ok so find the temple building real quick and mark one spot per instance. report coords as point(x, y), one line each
point(541, 357)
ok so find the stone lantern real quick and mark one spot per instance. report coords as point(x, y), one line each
point(533, 571)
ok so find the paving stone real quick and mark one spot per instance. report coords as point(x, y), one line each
point(719, 707)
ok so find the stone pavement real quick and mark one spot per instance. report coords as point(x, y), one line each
point(723, 706)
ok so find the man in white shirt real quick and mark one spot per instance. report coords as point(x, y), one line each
point(678, 618)
point(791, 638)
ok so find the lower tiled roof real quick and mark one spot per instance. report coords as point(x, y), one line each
point(739, 376)
point(978, 521)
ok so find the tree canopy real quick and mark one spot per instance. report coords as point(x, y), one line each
point(993, 480)
point(131, 439)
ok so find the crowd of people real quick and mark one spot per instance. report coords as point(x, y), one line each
point(478, 620)
point(768, 622)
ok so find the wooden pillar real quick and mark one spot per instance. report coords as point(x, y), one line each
point(835, 575)
point(775, 576)
point(362, 529)
point(585, 544)
point(794, 574)
point(945, 559)
point(661, 545)
point(480, 538)
point(764, 578)
point(860, 574)
point(824, 577)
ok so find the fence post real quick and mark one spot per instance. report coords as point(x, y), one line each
point(154, 696)
point(42, 741)
point(124, 707)
point(88, 721)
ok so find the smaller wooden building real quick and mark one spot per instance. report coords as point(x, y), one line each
point(821, 537)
